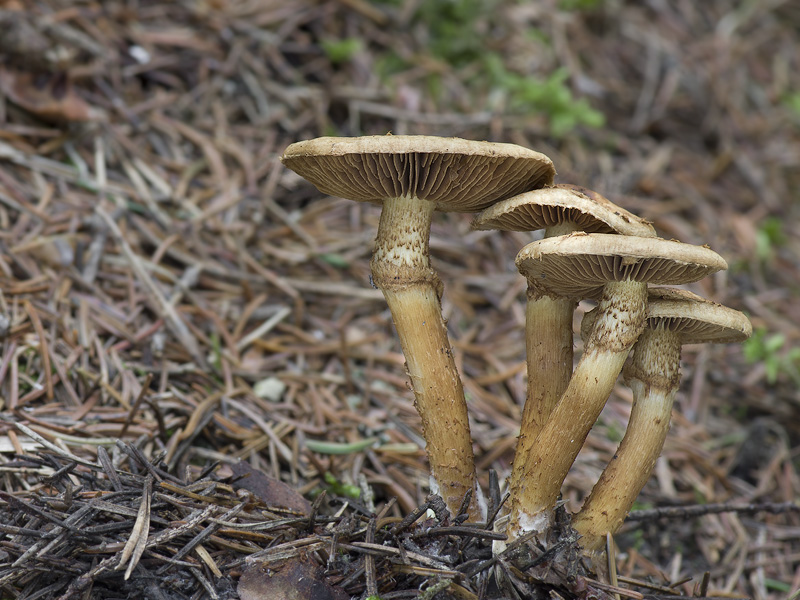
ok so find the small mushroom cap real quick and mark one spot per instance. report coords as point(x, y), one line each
point(563, 203)
point(458, 175)
point(580, 264)
point(695, 319)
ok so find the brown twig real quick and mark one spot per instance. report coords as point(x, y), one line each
point(689, 512)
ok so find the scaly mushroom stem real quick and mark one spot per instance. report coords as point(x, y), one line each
point(538, 481)
point(654, 376)
point(401, 270)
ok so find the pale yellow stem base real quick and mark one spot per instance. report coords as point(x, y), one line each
point(536, 486)
point(653, 377)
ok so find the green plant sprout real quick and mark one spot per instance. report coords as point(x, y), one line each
point(341, 51)
point(792, 102)
point(454, 30)
point(770, 350)
point(452, 26)
point(334, 260)
point(578, 5)
point(340, 488)
point(770, 235)
point(215, 356)
point(779, 586)
point(550, 96)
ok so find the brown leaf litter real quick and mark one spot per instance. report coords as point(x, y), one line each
point(165, 284)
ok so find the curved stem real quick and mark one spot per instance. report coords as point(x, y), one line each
point(401, 270)
point(653, 375)
point(536, 487)
point(548, 323)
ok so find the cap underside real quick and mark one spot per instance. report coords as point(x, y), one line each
point(579, 265)
point(458, 175)
point(696, 319)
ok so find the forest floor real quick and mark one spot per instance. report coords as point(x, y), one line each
point(166, 282)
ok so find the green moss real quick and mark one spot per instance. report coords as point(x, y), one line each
point(341, 489)
point(341, 51)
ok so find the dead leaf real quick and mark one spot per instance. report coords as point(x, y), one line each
point(296, 579)
point(269, 490)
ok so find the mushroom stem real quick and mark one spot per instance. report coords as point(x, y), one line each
point(548, 342)
point(654, 376)
point(401, 257)
point(401, 270)
point(548, 350)
point(548, 347)
point(537, 481)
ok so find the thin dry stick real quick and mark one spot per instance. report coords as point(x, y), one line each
point(694, 511)
point(215, 161)
point(369, 562)
point(136, 404)
point(63, 378)
point(205, 533)
point(52, 447)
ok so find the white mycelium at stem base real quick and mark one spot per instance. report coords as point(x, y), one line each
point(654, 376)
point(620, 321)
point(401, 270)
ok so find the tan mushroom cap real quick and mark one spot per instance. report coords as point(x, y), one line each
point(580, 264)
point(458, 175)
point(694, 318)
point(590, 211)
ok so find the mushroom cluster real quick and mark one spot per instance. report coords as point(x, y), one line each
point(592, 249)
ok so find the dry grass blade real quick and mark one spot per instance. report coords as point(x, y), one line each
point(43, 350)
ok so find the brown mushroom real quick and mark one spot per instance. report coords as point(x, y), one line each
point(615, 269)
point(675, 317)
point(412, 176)
point(559, 210)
